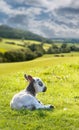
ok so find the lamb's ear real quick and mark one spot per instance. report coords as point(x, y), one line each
point(28, 77)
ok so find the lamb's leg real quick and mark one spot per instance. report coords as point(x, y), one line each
point(42, 106)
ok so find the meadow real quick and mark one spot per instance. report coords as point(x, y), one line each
point(61, 76)
point(14, 44)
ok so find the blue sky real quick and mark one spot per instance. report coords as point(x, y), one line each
point(48, 18)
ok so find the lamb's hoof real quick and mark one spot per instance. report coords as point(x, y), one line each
point(52, 107)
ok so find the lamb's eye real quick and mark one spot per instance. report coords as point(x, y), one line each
point(40, 83)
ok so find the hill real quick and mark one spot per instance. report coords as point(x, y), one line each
point(15, 33)
point(65, 40)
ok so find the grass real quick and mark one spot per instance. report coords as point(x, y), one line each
point(61, 76)
point(4, 46)
point(46, 46)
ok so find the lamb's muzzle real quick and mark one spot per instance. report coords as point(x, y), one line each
point(45, 88)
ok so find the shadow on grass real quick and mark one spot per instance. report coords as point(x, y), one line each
point(40, 112)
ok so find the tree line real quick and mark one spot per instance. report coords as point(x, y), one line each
point(29, 53)
point(35, 50)
point(63, 48)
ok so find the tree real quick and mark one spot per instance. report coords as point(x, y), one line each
point(65, 48)
point(37, 49)
point(54, 49)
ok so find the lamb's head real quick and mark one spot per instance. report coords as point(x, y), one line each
point(39, 85)
point(36, 83)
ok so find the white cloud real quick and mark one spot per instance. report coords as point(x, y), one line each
point(4, 7)
point(75, 3)
point(9, 10)
point(48, 4)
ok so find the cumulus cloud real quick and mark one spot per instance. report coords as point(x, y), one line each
point(50, 18)
point(4, 7)
point(75, 3)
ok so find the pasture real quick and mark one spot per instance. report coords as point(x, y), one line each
point(13, 44)
point(61, 76)
point(6, 46)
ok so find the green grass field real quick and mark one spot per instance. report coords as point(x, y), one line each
point(61, 76)
point(4, 46)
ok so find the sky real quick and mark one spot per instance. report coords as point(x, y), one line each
point(48, 18)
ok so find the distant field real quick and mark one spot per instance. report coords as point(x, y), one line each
point(61, 76)
point(18, 44)
point(4, 46)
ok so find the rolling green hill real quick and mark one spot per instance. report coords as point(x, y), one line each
point(6, 46)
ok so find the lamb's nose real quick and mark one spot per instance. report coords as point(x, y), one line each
point(45, 88)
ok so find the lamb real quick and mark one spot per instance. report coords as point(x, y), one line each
point(27, 98)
